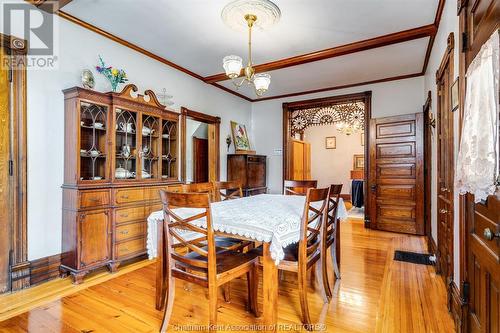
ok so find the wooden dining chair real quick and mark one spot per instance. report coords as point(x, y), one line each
point(229, 190)
point(330, 236)
point(301, 257)
point(206, 265)
point(298, 187)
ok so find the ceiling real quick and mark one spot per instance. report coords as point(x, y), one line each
point(191, 34)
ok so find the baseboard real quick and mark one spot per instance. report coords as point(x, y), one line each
point(346, 197)
point(456, 307)
point(44, 269)
point(431, 245)
point(20, 275)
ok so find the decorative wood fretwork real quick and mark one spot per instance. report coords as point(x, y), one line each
point(350, 113)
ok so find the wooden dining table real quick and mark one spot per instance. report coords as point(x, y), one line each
point(271, 219)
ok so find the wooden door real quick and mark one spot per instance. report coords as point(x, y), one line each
point(478, 20)
point(297, 160)
point(200, 160)
point(445, 166)
point(307, 160)
point(396, 174)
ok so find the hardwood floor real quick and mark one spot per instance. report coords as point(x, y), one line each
point(375, 294)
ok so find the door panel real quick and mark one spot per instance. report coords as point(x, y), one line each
point(396, 174)
point(94, 230)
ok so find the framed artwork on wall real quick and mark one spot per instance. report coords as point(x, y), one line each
point(454, 95)
point(331, 142)
point(240, 138)
point(358, 162)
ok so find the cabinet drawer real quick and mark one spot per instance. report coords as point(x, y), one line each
point(153, 193)
point(129, 214)
point(131, 247)
point(153, 208)
point(130, 230)
point(256, 159)
point(123, 196)
point(94, 199)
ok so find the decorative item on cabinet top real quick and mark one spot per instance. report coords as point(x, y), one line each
point(120, 150)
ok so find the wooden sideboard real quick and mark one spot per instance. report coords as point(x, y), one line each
point(250, 170)
point(120, 150)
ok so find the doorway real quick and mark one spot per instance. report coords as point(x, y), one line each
point(445, 164)
point(200, 147)
point(320, 134)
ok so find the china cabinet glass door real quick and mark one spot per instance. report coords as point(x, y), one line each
point(126, 144)
point(93, 125)
point(150, 150)
point(169, 150)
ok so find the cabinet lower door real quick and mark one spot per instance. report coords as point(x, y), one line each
point(95, 238)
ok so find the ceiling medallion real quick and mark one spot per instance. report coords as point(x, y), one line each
point(248, 14)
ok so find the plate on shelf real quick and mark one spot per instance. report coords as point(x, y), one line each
point(97, 178)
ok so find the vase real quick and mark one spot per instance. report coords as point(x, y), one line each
point(114, 85)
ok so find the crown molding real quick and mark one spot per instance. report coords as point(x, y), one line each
point(437, 20)
point(387, 79)
point(49, 6)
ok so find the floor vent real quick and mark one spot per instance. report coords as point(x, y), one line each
point(413, 257)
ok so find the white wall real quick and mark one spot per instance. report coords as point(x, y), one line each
point(79, 49)
point(332, 166)
point(388, 99)
point(449, 23)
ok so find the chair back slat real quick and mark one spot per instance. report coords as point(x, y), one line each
point(229, 190)
point(201, 188)
point(312, 220)
point(298, 187)
point(176, 227)
point(333, 203)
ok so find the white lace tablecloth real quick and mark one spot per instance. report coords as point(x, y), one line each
point(270, 218)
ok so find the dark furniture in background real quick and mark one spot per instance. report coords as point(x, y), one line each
point(250, 170)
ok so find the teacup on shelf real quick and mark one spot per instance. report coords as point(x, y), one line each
point(97, 178)
point(165, 136)
point(147, 131)
point(98, 125)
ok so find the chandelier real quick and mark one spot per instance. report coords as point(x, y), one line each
point(249, 10)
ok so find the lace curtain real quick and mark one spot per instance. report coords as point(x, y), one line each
point(477, 164)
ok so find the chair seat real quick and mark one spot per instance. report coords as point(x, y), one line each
point(291, 252)
point(226, 259)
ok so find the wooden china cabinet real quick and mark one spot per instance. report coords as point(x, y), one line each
point(120, 150)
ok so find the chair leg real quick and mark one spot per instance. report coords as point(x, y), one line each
point(306, 319)
point(324, 274)
point(226, 291)
point(333, 249)
point(322, 283)
point(212, 310)
point(169, 304)
point(253, 287)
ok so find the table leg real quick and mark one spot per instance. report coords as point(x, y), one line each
point(337, 249)
point(270, 291)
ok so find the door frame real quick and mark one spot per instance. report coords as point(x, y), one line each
point(446, 60)
point(290, 107)
point(429, 125)
point(214, 154)
point(19, 275)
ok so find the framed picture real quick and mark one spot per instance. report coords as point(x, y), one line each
point(240, 136)
point(359, 162)
point(454, 95)
point(362, 139)
point(331, 142)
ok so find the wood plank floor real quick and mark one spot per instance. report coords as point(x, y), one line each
point(375, 294)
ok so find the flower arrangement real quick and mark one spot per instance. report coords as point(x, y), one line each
point(115, 76)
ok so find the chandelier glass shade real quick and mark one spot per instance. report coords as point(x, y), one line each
point(233, 64)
